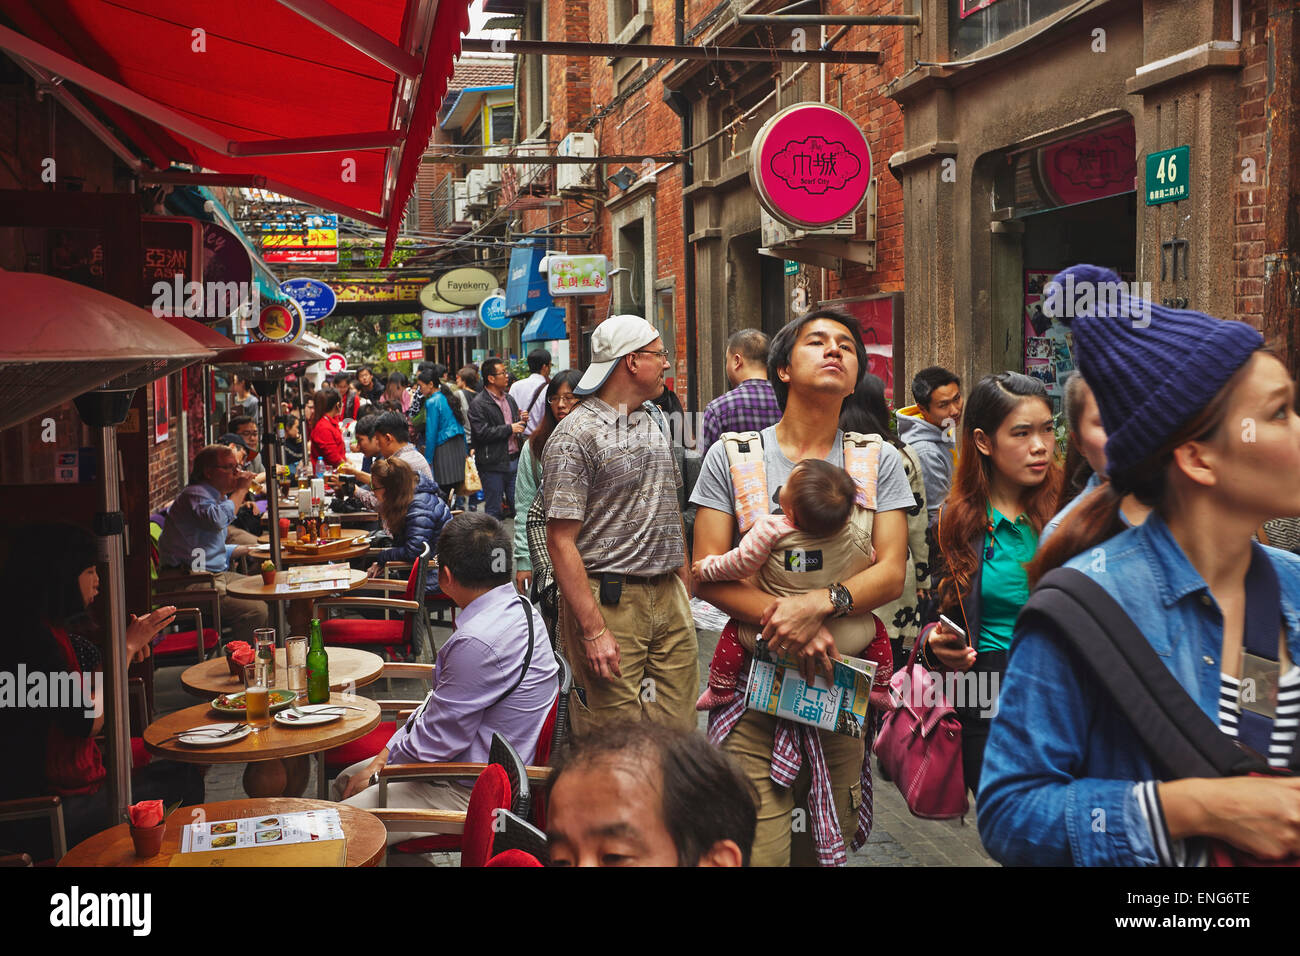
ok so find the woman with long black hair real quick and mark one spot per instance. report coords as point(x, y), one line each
point(326, 436)
point(47, 746)
point(1202, 427)
point(445, 425)
point(1003, 493)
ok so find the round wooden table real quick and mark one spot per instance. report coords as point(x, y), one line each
point(271, 770)
point(294, 558)
point(299, 601)
point(365, 835)
point(349, 667)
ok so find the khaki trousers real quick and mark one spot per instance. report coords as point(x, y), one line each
point(242, 616)
point(437, 795)
point(659, 656)
point(784, 834)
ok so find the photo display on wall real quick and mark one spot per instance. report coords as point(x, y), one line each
point(1049, 344)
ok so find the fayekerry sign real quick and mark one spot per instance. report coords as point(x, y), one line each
point(810, 165)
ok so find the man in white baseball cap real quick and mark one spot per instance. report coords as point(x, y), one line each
point(614, 532)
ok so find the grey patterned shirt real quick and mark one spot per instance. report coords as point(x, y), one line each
point(615, 475)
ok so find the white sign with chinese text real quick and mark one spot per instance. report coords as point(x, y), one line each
point(577, 275)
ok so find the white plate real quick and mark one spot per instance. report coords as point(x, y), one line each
point(205, 739)
point(309, 718)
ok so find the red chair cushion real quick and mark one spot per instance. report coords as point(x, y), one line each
point(340, 758)
point(141, 757)
point(348, 631)
point(182, 642)
point(514, 858)
point(491, 793)
point(542, 756)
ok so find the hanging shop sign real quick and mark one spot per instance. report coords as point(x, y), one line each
point(430, 300)
point(336, 362)
point(280, 322)
point(466, 287)
point(492, 311)
point(225, 259)
point(1168, 174)
point(405, 347)
point(172, 248)
point(360, 290)
point(310, 238)
point(449, 325)
point(577, 275)
point(315, 298)
point(810, 166)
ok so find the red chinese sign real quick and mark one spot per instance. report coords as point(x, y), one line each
point(810, 165)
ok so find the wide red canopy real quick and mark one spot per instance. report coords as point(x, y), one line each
point(333, 105)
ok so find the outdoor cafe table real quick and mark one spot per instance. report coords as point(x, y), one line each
point(364, 834)
point(300, 602)
point(294, 558)
point(349, 667)
point(271, 771)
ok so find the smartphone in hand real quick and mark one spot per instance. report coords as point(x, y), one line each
point(949, 625)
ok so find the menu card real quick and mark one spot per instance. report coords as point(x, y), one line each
point(315, 578)
point(275, 829)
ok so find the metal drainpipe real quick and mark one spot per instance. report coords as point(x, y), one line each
point(682, 107)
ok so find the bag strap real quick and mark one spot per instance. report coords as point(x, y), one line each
point(541, 389)
point(748, 476)
point(1170, 724)
point(973, 639)
point(528, 657)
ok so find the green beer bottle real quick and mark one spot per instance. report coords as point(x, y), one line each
point(318, 667)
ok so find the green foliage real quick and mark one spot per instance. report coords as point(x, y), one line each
point(362, 338)
point(519, 369)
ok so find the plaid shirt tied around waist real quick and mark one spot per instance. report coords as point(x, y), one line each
point(792, 743)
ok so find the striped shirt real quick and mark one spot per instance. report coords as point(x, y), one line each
point(1282, 739)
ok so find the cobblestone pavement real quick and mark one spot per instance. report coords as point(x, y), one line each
point(897, 838)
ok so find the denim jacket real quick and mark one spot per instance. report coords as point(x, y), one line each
point(1062, 764)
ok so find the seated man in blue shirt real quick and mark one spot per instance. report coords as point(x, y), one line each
point(194, 536)
point(485, 680)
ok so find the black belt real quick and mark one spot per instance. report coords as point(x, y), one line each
point(638, 579)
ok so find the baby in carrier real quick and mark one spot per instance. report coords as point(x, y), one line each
point(808, 546)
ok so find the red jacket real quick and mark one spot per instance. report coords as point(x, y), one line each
point(327, 441)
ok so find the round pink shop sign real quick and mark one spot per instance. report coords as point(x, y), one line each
point(810, 165)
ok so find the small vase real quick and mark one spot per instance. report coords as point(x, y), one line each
point(268, 577)
point(148, 840)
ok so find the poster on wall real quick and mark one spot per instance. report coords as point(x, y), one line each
point(876, 317)
point(162, 410)
point(974, 6)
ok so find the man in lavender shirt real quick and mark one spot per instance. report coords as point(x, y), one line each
point(473, 677)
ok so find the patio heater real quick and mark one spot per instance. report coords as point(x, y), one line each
point(65, 341)
point(265, 365)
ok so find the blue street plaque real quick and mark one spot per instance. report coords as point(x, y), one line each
point(492, 312)
point(316, 298)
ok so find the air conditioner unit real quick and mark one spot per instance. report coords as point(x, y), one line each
point(530, 173)
point(460, 200)
point(493, 170)
point(776, 233)
point(569, 176)
point(476, 187)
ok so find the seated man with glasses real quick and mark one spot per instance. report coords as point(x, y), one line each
point(194, 536)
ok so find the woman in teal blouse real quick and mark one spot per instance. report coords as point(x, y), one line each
point(1003, 493)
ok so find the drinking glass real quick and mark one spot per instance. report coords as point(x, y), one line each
point(335, 529)
point(265, 637)
point(257, 697)
point(295, 658)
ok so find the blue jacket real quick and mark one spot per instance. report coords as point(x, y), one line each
point(440, 423)
point(424, 520)
point(1062, 765)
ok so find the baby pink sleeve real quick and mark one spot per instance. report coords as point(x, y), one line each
point(755, 548)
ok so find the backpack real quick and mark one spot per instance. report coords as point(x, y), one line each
point(1164, 717)
point(749, 476)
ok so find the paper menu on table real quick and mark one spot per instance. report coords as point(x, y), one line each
point(273, 829)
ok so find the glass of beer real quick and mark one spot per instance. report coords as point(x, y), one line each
point(335, 529)
point(257, 697)
point(295, 657)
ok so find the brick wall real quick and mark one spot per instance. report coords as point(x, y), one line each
point(1248, 241)
point(164, 463)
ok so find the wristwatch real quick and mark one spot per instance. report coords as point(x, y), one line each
point(841, 600)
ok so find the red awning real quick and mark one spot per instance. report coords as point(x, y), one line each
point(331, 104)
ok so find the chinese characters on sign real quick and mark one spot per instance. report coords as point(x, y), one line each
point(577, 275)
point(1168, 175)
point(405, 347)
point(446, 325)
point(810, 165)
point(313, 238)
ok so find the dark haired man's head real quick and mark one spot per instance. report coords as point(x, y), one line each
point(637, 793)
point(746, 356)
point(342, 379)
point(818, 497)
point(474, 553)
point(246, 428)
point(364, 431)
point(392, 431)
point(539, 362)
point(937, 393)
point(496, 375)
point(821, 352)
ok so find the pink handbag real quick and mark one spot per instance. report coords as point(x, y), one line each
point(920, 743)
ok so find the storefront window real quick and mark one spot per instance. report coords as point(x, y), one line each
point(974, 24)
